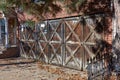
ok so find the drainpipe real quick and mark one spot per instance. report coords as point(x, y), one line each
point(6, 32)
point(0, 36)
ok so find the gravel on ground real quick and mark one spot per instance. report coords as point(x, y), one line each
point(27, 69)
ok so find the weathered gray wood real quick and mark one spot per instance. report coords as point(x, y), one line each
point(55, 53)
point(55, 31)
point(76, 36)
point(62, 43)
point(72, 56)
point(42, 51)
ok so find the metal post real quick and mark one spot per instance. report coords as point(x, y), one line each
point(83, 54)
point(63, 44)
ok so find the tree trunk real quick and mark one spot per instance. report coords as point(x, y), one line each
point(116, 28)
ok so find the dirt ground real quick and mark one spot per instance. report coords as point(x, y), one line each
point(25, 69)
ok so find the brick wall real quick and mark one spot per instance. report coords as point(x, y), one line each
point(108, 32)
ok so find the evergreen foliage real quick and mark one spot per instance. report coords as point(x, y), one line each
point(39, 7)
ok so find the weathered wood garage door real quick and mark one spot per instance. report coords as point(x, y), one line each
point(68, 42)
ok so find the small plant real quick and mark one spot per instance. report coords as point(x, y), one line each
point(30, 23)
